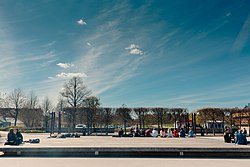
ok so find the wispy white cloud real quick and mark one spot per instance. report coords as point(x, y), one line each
point(42, 56)
point(242, 37)
point(68, 75)
point(81, 22)
point(134, 49)
point(228, 14)
point(9, 65)
point(65, 65)
point(103, 75)
point(222, 97)
point(49, 44)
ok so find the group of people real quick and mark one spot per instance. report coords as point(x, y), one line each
point(239, 137)
point(14, 137)
point(152, 132)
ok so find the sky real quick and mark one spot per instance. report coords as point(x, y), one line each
point(146, 53)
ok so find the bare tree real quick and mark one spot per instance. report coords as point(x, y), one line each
point(124, 114)
point(47, 106)
point(28, 114)
point(32, 102)
point(92, 104)
point(17, 99)
point(107, 117)
point(139, 114)
point(3, 100)
point(75, 92)
point(158, 113)
point(31, 117)
point(60, 106)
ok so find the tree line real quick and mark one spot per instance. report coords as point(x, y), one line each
point(76, 105)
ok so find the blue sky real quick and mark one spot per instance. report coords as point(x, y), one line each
point(148, 53)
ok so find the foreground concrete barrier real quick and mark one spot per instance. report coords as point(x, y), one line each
point(125, 152)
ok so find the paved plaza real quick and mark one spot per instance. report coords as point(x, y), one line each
point(122, 162)
point(200, 146)
point(109, 141)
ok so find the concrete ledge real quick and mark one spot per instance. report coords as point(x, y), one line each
point(125, 152)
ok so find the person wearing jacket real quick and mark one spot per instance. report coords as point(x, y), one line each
point(19, 137)
point(11, 138)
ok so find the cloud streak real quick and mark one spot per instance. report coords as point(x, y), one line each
point(68, 75)
point(65, 65)
point(81, 22)
point(134, 49)
point(242, 37)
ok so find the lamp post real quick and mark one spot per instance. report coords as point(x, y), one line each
point(240, 117)
point(194, 122)
point(213, 124)
point(52, 122)
point(59, 122)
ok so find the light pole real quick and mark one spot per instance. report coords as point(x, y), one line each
point(59, 122)
point(213, 124)
point(52, 122)
point(194, 121)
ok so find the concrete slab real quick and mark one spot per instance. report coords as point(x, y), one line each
point(137, 146)
point(122, 162)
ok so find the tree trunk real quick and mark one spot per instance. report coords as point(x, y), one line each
point(16, 116)
point(59, 122)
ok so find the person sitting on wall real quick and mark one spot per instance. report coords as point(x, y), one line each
point(190, 132)
point(182, 133)
point(227, 138)
point(162, 132)
point(240, 138)
point(176, 134)
point(148, 133)
point(154, 133)
point(132, 132)
point(170, 133)
point(137, 132)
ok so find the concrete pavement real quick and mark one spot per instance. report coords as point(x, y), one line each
point(121, 162)
point(137, 146)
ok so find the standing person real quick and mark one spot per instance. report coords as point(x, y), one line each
point(11, 138)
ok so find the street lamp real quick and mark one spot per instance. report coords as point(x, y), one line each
point(194, 122)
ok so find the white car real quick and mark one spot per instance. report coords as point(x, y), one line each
point(81, 126)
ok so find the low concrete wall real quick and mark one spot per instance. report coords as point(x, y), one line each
point(125, 152)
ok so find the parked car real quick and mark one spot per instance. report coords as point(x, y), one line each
point(80, 126)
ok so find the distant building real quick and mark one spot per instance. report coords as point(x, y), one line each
point(242, 116)
point(7, 121)
point(215, 125)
